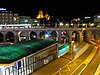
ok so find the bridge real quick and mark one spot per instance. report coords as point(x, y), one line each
point(62, 35)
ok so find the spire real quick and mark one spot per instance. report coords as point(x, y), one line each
point(46, 15)
point(40, 15)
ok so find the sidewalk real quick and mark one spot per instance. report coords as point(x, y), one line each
point(97, 71)
point(54, 65)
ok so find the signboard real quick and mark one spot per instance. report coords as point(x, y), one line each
point(2, 9)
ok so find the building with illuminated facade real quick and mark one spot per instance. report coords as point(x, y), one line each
point(97, 19)
point(41, 15)
point(7, 17)
point(24, 58)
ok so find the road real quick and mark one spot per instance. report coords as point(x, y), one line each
point(76, 65)
point(65, 66)
point(91, 68)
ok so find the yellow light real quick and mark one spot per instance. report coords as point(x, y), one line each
point(92, 24)
point(72, 41)
point(15, 19)
point(66, 24)
point(84, 24)
point(72, 24)
point(61, 24)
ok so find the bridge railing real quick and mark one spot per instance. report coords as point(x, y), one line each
point(28, 26)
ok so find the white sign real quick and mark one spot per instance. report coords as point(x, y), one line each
point(2, 9)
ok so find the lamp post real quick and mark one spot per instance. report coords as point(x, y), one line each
point(72, 44)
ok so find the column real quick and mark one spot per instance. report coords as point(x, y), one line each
point(4, 37)
point(38, 34)
point(16, 38)
point(27, 36)
point(59, 37)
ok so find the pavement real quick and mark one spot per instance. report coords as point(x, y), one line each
point(53, 66)
point(98, 69)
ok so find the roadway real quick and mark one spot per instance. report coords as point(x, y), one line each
point(92, 66)
point(66, 66)
point(77, 64)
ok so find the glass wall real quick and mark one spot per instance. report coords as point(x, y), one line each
point(33, 62)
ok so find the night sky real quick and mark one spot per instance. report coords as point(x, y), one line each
point(58, 8)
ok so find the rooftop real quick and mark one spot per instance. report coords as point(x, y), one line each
point(11, 53)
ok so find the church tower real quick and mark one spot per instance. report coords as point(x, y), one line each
point(47, 16)
point(40, 15)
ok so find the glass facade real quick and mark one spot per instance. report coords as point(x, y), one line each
point(31, 63)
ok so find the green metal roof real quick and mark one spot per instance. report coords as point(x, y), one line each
point(19, 50)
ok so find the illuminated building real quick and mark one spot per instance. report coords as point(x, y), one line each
point(7, 17)
point(24, 58)
point(24, 19)
point(97, 19)
point(47, 16)
point(41, 15)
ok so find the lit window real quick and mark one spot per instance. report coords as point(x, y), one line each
point(15, 19)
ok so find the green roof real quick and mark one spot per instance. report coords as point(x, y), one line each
point(19, 50)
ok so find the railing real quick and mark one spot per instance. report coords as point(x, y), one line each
point(28, 26)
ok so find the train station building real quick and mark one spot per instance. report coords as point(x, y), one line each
point(23, 58)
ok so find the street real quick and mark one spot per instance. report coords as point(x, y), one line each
point(65, 66)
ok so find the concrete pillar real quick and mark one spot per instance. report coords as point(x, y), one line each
point(38, 34)
point(27, 36)
point(16, 38)
point(89, 35)
point(81, 39)
point(4, 37)
point(70, 36)
point(59, 36)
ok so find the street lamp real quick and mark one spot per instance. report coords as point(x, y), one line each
point(72, 46)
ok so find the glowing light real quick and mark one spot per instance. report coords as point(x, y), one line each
point(35, 21)
point(15, 19)
point(84, 24)
point(38, 24)
point(98, 16)
point(92, 24)
point(26, 21)
point(72, 24)
point(61, 24)
point(61, 32)
point(34, 36)
point(87, 17)
point(46, 35)
point(66, 24)
point(2, 9)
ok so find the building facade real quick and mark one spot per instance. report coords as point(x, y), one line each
point(97, 20)
point(31, 63)
point(7, 17)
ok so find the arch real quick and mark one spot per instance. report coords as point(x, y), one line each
point(33, 35)
point(84, 36)
point(54, 35)
point(76, 36)
point(10, 36)
point(93, 35)
point(1, 37)
point(65, 37)
point(42, 34)
point(21, 36)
